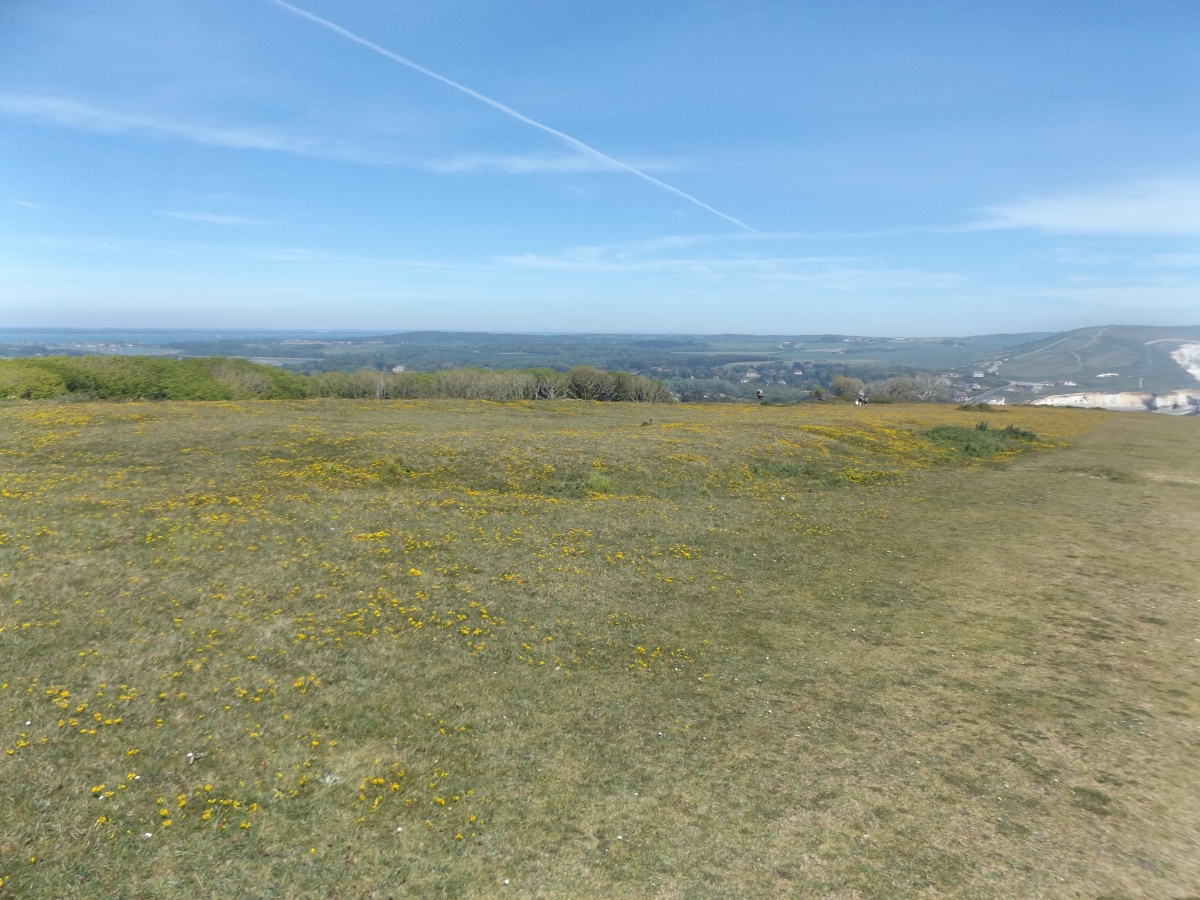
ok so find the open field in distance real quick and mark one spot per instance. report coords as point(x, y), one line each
point(383, 649)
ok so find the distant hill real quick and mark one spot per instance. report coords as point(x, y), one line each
point(1107, 358)
point(1111, 358)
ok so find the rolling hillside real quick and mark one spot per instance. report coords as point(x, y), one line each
point(1109, 358)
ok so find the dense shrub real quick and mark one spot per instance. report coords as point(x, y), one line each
point(221, 378)
point(29, 383)
point(128, 377)
point(980, 441)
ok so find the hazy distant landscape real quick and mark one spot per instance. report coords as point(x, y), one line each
point(1016, 368)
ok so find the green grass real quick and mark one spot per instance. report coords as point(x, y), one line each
point(732, 651)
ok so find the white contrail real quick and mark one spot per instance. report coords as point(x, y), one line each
point(507, 110)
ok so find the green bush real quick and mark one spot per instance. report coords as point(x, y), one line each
point(982, 408)
point(980, 441)
point(24, 382)
point(599, 484)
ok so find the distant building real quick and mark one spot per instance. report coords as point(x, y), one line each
point(1109, 375)
point(397, 368)
point(978, 375)
point(960, 397)
point(996, 401)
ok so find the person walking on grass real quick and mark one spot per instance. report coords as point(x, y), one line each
point(760, 395)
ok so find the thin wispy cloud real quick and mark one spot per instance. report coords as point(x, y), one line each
point(1177, 260)
point(825, 273)
point(527, 164)
point(1168, 206)
point(142, 249)
point(25, 203)
point(572, 142)
point(315, 256)
point(212, 218)
point(664, 257)
point(101, 120)
point(618, 251)
point(69, 113)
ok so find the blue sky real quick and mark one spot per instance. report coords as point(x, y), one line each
point(907, 168)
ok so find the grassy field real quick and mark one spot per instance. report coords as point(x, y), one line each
point(329, 648)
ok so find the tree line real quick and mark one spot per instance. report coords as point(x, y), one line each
point(223, 378)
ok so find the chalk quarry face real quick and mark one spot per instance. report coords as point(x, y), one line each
point(1178, 403)
point(1184, 402)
